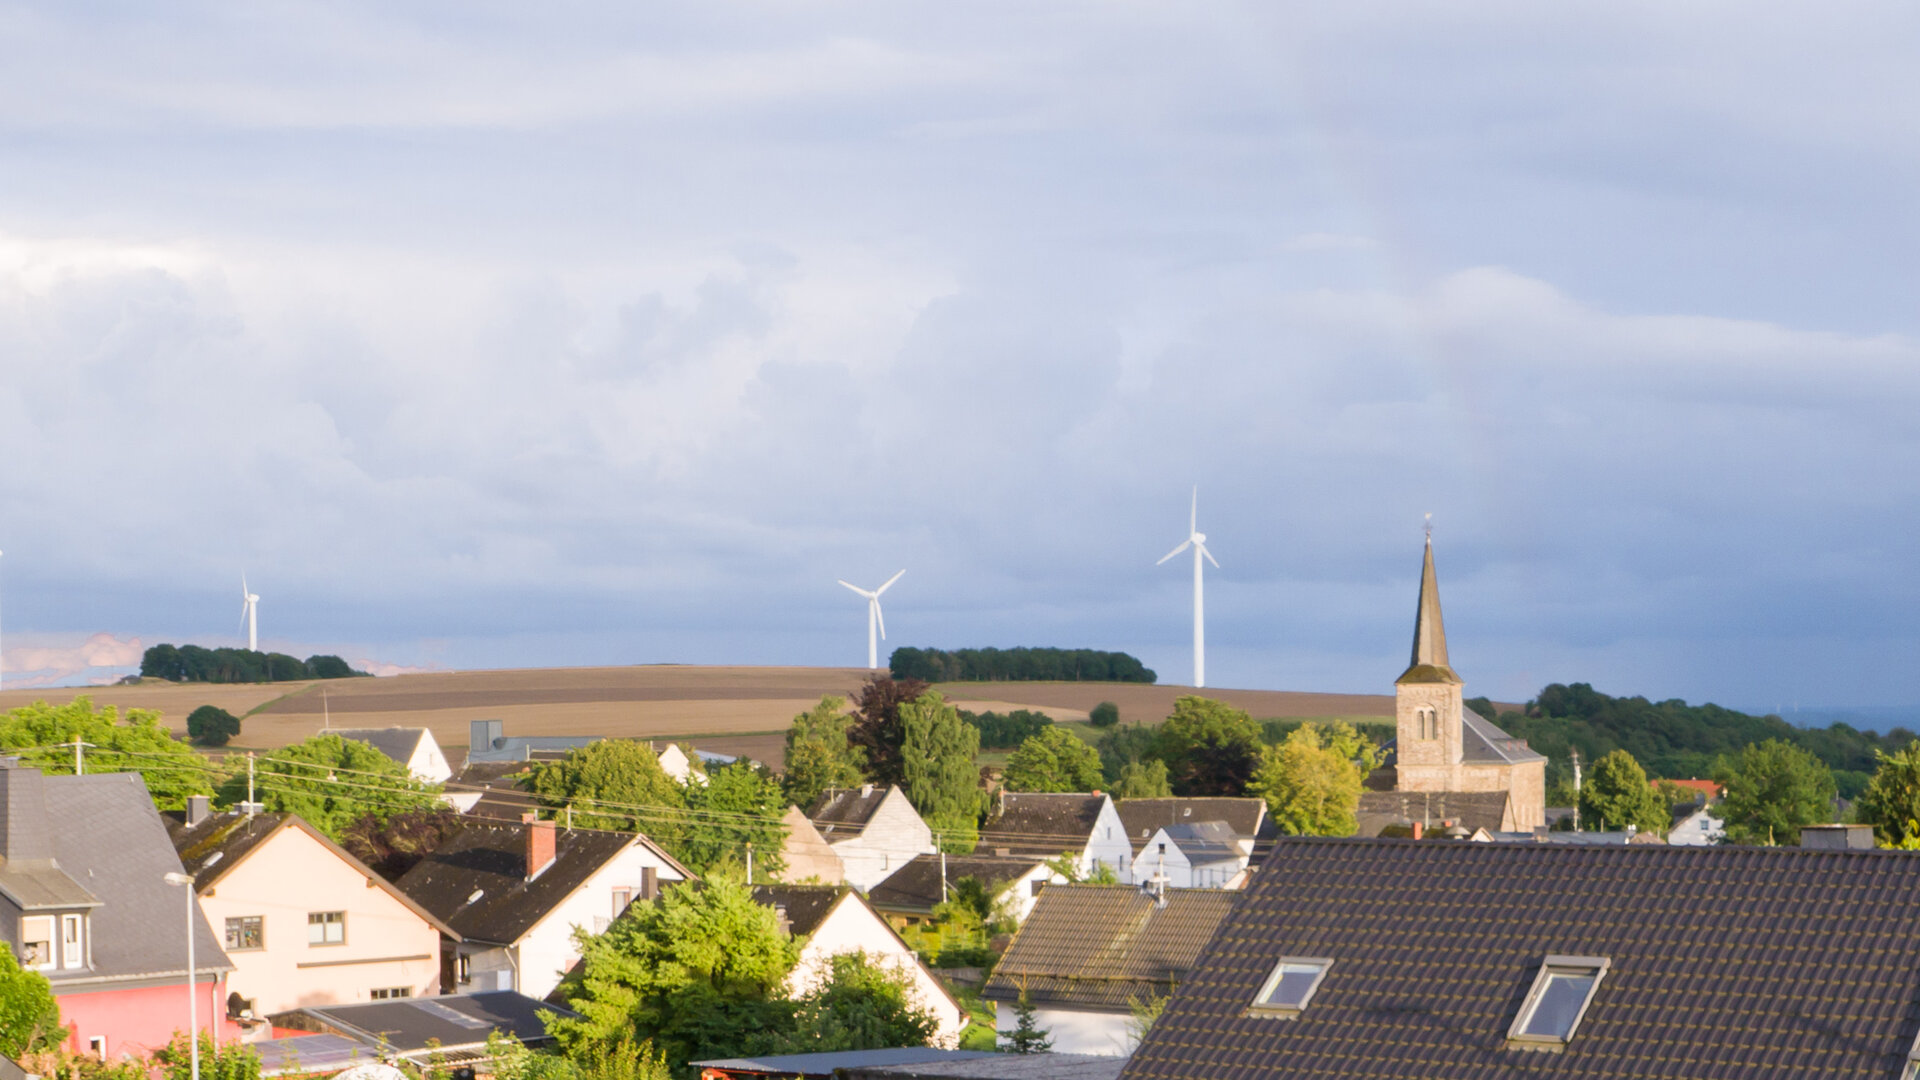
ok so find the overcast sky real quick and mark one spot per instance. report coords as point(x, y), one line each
point(508, 335)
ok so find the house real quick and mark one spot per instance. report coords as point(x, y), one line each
point(1440, 746)
point(835, 920)
point(874, 830)
point(343, 935)
point(807, 855)
point(490, 789)
point(413, 747)
point(1436, 811)
point(1090, 953)
point(1247, 817)
point(1198, 855)
point(447, 1031)
point(675, 762)
point(514, 893)
point(1694, 825)
point(85, 900)
point(1083, 826)
point(1704, 790)
point(1012, 883)
point(1391, 958)
point(488, 741)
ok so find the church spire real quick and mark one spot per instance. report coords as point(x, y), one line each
point(1429, 662)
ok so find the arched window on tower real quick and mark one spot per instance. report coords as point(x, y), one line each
point(1429, 724)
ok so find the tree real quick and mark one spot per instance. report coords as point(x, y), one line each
point(621, 1057)
point(863, 1004)
point(700, 972)
point(1054, 760)
point(396, 844)
point(29, 1016)
point(227, 1061)
point(211, 725)
point(1119, 746)
point(877, 730)
point(171, 769)
point(1311, 781)
point(1616, 794)
point(1004, 731)
point(740, 804)
point(1771, 790)
point(818, 753)
point(614, 784)
point(333, 782)
point(1026, 1038)
point(1891, 803)
point(1142, 780)
point(938, 772)
point(1210, 747)
point(1104, 715)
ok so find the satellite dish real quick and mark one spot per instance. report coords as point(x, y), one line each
point(372, 1070)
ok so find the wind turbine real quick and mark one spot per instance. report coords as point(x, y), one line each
point(250, 614)
point(874, 619)
point(1197, 540)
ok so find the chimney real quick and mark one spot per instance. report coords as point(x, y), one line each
point(1838, 837)
point(198, 808)
point(539, 845)
point(866, 791)
point(1418, 829)
point(649, 883)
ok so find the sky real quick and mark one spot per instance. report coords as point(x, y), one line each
point(497, 335)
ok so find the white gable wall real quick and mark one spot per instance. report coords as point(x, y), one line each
point(544, 953)
point(1107, 845)
point(891, 839)
point(428, 765)
point(852, 926)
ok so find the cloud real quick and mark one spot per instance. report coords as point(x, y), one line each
point(44, 665)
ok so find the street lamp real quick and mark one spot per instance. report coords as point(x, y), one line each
point(193, 993)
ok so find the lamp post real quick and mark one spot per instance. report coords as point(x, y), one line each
point(193, 992)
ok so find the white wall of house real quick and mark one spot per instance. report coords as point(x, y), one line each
point(428, 764)
point(1018, 898)
point(1074, 1031)
point(1107, 844)
point(1698, 829)
point(675, 763)
point(544, 953)
point(852, 926)
point(386, 944)
point(1181, 871)
point(893, 836)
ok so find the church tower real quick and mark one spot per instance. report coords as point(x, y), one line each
point(1427, 699)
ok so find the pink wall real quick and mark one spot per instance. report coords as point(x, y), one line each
point(138, 1021)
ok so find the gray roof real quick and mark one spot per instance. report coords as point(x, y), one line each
point(805, 906)
point(409, 1025)
point(1204, 842)
point(1247, 815)
point(812, 1065)
point(1471, 809)
point(843, 813)
point(398, 743)
point(1040, 823)
point(1042, 1066)
point(915, 887)
point(312, 1054)
point(1098, 947)
point(30, 876)
point(1481, 741)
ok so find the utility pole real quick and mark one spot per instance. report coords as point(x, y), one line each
point(943, 868)
point(1576, 790)
point(749, 862)
point(249, 784)
point(79, 759)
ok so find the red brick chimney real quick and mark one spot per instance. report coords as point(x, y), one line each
point(539, 845)
point(1418, 828)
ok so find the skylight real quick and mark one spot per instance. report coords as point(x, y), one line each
point(1559, 998)
point(1287, 991)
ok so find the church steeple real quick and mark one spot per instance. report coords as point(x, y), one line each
point(1429, 663)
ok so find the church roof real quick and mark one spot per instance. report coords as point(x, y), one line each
point(1429, 662)
point(1482, 742)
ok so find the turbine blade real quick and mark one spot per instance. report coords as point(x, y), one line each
point(889, 584)
point(1209, 555)
point(879, 618)
point(1175, 551)
point(857, 589)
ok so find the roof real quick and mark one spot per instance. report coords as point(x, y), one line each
point(1472, 809)
point(1041, 1066)
point(1767, 962)
point(1097, 946)
point(1205, 842)
point(398, 743)
point(805, 906)
point(840, 813)
point(1246, 816)
point(1482, 741)
point(311, 1054)
point(812, 1065)
point(915, 887)
point(1030, 823)
point(1705, 787)
point(1429, 663)
point(30, 876)
point(500, 799)
point(407, 1025)
point(219, 842)
point(489, 859)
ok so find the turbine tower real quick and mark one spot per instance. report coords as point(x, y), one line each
point(874, 620)
point(1197, 540)
point(250, 614)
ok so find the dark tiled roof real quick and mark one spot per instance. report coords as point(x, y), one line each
point(218, 842)
point(398, 743)
point(1042, 1066)
point(840, 813)
point(805, 905)
point(1097, 946)
point(915, 887)
point(500, 800)
point(1472, 809)
point(1026, 823)
point(1481, 741)
point(407, 1025)
point(1247, 817)
point(1732, 962)
point(491, 859)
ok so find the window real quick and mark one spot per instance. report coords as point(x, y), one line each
point(1292, 984)
point(97, 1046)
point(245, 933)
point(326, 928)
point(463, 968)
point(73, 954)
point(383, 993)
point(621, 898)
point(1559, 998)
point(36, 941)
point(1429, 723)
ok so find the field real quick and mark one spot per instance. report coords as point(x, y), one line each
point(734, 710)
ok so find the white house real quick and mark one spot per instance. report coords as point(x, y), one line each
point(835, 921)
point(1245, 815)
point(1013, 884)
point(410, 746)
point(515, 892)
point(1084, 827)
point(874, 830)
point(1694, 825)
point(1200, 855)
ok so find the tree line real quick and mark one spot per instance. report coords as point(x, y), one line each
point(192, 663)
point(1017, 665)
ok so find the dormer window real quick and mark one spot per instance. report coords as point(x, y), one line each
point(1558, 1000)
point(36, 942)
point(1286, 992)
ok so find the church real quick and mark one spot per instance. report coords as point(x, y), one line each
point(1449, 765)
